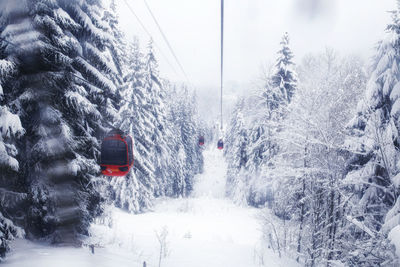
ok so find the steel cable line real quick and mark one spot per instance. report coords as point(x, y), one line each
point(149, 34)
point(166, 40)
point(222, 55)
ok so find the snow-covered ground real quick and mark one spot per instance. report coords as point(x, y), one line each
point(202, 231)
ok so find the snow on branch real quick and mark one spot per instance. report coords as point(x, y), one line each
point(95, 74)
point(65, 20)
point(88, 25)
point(82, 104)
point(6, 68)
point(361, 225)
point(10, 124)
point(101, 58)
point(17, 232)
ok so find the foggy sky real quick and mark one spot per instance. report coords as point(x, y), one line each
point(253, 32)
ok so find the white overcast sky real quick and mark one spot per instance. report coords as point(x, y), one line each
point(253, 30)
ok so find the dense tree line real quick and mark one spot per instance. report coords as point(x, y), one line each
point(65, 81)
point(320, 149)
point(252, 134)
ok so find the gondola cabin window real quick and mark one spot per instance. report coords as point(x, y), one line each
point(113, 152)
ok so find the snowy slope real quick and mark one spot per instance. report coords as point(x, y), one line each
point(205, 230)
point(212, 182)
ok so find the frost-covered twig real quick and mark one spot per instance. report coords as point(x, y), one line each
point(162, 240)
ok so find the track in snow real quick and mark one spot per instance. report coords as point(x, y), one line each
point(205, 230)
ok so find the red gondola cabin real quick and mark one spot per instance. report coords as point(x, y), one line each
point(116, 154)
point(220, 144)
point(201, 140)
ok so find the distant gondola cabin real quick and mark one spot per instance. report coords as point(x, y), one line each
point(220, 144)
point(116, 154)
point(201, 140)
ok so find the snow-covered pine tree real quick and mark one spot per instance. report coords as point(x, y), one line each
point(264, 117)
point(163, 133)
point(161, 166)
point(12, 189)
point(118, 45)
point(177, 170)
point(116, 60)
point(111, 101)
point(285, 77)
point(373, 177)
point(189, 139)
point(161, 155)
point(187, 155)
point(236, 153)
point(62, 89)
point(199, 128)
point(267, 118)
point(8, 232)
point(135, 192)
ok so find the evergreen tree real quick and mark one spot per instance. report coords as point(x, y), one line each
point(65, 81)
point(62, 91)
point(157, 108)
point(162, 122)
point(373, 171)
point(135, 193)
point(264, 118)
point(189, 159)
point(12, 191)
point(176, 186)
point(237, 155)
point(285, 77)
point(272, 102)
point(189, 135)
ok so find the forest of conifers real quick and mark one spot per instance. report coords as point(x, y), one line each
point(315, 146)
point(67, 77)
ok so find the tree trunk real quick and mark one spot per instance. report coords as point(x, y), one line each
point(299, 239)
point(302, 208)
